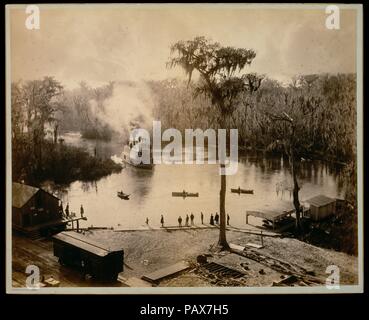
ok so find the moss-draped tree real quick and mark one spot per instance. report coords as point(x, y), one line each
point(220, 80)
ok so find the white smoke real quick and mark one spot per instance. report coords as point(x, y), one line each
point(130, 106)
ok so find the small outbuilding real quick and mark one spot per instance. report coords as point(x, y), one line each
point(35, 212)
point(321, 207)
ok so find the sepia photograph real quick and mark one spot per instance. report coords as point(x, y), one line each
point(184, 148)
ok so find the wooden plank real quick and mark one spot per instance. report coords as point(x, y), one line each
point(51, 282)
point(254, 245)
point(165, 272)
point(236, 247)
point(255, 231)
point(137, 283)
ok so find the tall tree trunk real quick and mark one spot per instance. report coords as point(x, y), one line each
point(222, 243)
point(222, 213)
point(56, 133)
point(296, 189)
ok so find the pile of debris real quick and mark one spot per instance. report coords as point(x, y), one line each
point(293, 274)
point(216, 273)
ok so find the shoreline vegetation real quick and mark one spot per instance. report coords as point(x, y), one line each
point(64, 164)
point(312, 116)
point(41, 109)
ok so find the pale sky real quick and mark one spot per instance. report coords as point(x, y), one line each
point(99, 44)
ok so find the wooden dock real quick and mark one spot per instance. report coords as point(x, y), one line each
point(73, 220)
point(274, 217)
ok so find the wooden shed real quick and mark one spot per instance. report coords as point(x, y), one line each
point(35, 211)
point(88, 256)
point(321, 207)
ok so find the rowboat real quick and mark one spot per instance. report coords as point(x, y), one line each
point(123, 195)
point(184, 194)
point(239, 191)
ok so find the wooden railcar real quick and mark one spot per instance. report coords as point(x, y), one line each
point(90, 257)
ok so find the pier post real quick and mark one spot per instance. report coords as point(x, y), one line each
point(262, 240)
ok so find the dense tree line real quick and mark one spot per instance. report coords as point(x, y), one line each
point(82, 110)
point(40, 109)
point(325, 104)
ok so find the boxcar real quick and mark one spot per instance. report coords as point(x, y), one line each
point(88, 256)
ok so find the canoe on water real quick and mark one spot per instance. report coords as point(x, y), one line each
point(185, 194)
point(239, 191)
point(189, 194)
point(123, 195)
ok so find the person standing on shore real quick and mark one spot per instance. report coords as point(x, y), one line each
point(162, 221)
point(187, 220)
point(216, 218)
point(180, 221)
point(228, 219)
point(192, 219)
point(212, 219)
point(147, 220)
point(202, 218)
point(82, 211)
point(61, 211)
point(67, 210)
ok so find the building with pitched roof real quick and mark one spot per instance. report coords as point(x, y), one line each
point(35, 212)
point(321, 207)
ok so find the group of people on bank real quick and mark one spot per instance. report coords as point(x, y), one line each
point(66, 213)
point(190, 220)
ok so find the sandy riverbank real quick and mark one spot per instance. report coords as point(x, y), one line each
point(148, 251)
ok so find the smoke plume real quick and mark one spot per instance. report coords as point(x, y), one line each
point(130, 106)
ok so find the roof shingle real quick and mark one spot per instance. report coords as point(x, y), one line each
point(22, 193)
point(320, 201)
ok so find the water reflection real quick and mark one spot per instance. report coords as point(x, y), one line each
point(87, 186)
point(143, 183)
point(151, 191)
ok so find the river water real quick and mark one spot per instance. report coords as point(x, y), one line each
point(151, 190)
